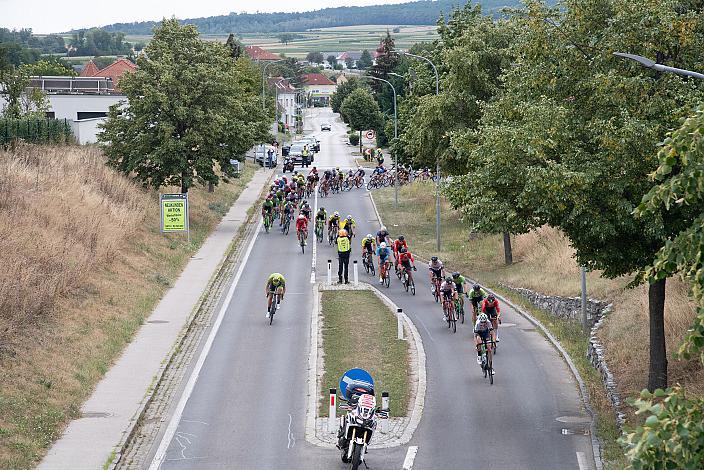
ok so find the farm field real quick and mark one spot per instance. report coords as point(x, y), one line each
point(338, 39)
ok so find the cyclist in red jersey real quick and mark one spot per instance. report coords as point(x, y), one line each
point(302, 227)
point(397, 245)
point(406, 261)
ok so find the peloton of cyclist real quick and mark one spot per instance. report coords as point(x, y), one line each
point(482, 331)
point(490, 307)
point(448, 292)
point(383, 253)
point(476, 296)
point(275, 283)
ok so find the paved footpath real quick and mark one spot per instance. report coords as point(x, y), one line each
point(88, 442)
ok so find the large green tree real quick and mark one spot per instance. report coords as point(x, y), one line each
point(343, 91)
point(191, 109)
point(361, 112)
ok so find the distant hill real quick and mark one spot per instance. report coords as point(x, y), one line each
point(424, 12)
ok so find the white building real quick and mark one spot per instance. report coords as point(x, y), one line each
point(286, 97)
point(318, 88)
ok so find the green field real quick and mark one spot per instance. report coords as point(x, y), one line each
point(339, 39)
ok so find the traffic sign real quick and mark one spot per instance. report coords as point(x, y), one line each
point(174, 212)
point(354, 376)
point(369, 134)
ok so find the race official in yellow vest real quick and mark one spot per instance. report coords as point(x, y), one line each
point(344, 248)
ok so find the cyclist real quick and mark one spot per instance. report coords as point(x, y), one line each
point(383, 253)
point(268, 206)
point(302, 227)
point(334, 222)
point(476, 296)
point(359, 176)
point(382, 236)
point(459, 281)
point(275, 283)
point(398, 244)
point(286, 211)
point(368, 245)
point(306, 210)
point(447, 290)
point(490, 307)
point(436, 270)
point(349, 224)
point(406, 261)
point(482, 329)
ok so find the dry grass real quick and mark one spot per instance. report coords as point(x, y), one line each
point(83, 264)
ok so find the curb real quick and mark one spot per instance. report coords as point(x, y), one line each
point(584, 393)
point(313, 387)
point(129, 433)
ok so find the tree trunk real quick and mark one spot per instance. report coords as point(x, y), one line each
point(184, 184)
point(657, 374)
point(360, 141)
point(211, 187)
point(508, 252)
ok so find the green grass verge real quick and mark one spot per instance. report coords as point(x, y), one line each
point(480, 257)
point(359, 331)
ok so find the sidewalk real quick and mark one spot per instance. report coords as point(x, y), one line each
point(110, 412)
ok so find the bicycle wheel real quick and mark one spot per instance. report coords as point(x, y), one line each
point(405, 281)
point(490, 368)
point(436, 294)
point(359, 183)
point(370, 185)
point(371, 267)
point(413, 287)
point(387, 279)
point(272, 309)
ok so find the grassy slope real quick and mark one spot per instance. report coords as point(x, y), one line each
point(84, 266)
point(359, 331)
point(544, 262)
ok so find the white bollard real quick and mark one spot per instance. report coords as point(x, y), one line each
point(385, 406)
point(399, 323)
point(356, 273)
point(332, 412)
point(329, 271)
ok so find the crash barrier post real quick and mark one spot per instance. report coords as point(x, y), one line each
point(356, 276)
point(329, 271)
point(399, 323)
point(332, 413)
point(385, 407)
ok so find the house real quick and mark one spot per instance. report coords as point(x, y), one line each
point(113, 71)
point(89, 70)
point(349, 56)
point(318, 89)
point(286, 102)
point(259, 54)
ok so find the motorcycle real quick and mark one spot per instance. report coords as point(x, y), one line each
point(288, 165)
point(358, 425)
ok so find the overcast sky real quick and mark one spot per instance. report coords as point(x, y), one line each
point(53, 16)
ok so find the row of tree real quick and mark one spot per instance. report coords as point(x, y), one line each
point(539, 123)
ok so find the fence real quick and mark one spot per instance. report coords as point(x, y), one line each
point(35, 130)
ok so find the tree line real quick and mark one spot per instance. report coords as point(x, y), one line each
point(411, 13)
point(539, 123)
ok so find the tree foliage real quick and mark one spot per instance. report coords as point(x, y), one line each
point(360, 110)
point(365, 60)
point(191, 109)
point(97, 41)
point(343, 91)
point(315, 57)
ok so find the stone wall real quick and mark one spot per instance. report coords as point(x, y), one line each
point(571, 308)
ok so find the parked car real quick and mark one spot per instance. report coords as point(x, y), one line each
point(312, 142)
point(296, 151)
point(325, 127)
point(262, 155)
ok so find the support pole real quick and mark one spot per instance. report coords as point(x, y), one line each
point(332, 411)
point(585, 323)
point(399, 323)
point(329, 271)
point(356, 273)
point(437, 202)
point(384, 406)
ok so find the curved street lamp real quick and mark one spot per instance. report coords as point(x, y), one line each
point(263, 74)
point(651, 64)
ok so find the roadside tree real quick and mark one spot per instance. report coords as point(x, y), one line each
point(361, 112)
point(343, 91)
point(191, 110)
point(315, 57)
point(365, 60)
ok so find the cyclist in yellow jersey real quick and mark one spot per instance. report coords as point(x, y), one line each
point(348, 224)
point(275, 283)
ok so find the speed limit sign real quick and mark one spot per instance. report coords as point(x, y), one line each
point(369, 135)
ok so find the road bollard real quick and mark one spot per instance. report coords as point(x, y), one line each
point(399, 323)
point(356, 273)
point(332, 412)
point(329, 271)
point(385, 406)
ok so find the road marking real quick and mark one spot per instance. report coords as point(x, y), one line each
point(425, 328)
point(291, 439)
point(190, 385)
point(582, 461)
point(315, 241)
point(410, 457)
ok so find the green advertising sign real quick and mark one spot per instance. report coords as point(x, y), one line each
point(174, 212)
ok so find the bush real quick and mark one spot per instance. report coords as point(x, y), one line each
point(35, 130)
point(354, 138)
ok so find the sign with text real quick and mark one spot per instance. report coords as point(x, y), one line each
point(174, 212)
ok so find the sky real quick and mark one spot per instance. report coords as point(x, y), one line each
point(53, 16)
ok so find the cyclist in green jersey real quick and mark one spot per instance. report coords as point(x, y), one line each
point(275, 283)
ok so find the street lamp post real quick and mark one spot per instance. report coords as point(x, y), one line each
point(263, 77)
point(651, 64)
point(395, 133)
point(437, 160)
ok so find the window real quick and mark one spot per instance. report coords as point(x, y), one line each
point(90, 114)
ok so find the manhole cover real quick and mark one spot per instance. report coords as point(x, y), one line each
point(573, 419)
point(157, 321)
point(96, 414)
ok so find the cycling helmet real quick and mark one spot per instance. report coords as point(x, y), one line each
point(349, 217)
point(270, 196)
point(295, 172)
point(455, 275)
point(403, 249)
point(483, 318)
point(369, 235)
point(305, 203)
point(491, 298)
point(301, 216)
point(382, 245)
point(322, 209)
point(342, 233)
point(433, 258)
point(401, 238)
point(477, 287)
point(448, 278)
point(336, 214)
point(383, 228)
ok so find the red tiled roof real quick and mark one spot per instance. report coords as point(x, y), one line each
point(284, 86)
point(89, 70)
point(316, 79)
point(116, 70)
point(257, 53)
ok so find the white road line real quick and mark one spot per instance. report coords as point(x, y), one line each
point(410, 457)
point(582, 461)
point(190, 385)
point(315, 240)
point(291, 439)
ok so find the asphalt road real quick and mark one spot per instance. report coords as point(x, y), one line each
point(248, 407)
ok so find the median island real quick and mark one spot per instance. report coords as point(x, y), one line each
point(358, 330)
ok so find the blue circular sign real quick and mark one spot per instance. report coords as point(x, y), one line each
point(357, 377)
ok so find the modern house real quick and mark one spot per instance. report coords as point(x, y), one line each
point(318, 89)
point(256, 53)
